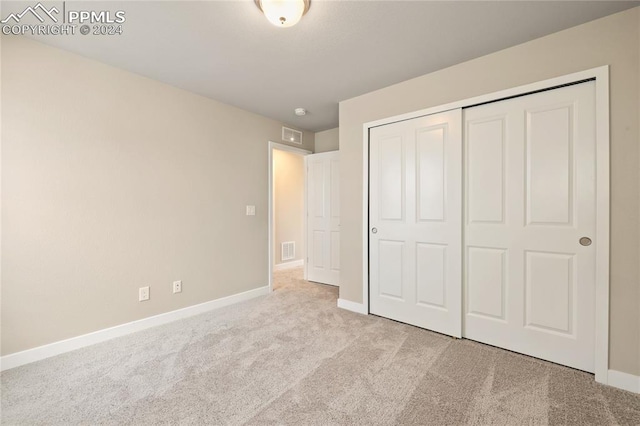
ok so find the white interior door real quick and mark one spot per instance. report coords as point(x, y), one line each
point(529, 199)
point(415, 222)
point(323, 217)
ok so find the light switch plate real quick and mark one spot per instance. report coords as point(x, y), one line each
point(251, 210)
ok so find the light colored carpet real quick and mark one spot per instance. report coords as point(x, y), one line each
point(293, 358)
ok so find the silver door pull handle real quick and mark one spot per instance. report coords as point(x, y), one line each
point(585, 241)
point(374, 230)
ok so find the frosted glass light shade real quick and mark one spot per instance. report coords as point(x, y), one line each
point(283, 13)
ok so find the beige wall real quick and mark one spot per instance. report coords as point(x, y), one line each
point(327, 140)
point(112, 181)
point(612, 40)
point(288, 195)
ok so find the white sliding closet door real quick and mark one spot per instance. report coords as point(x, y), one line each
point(415, 222)
point(529, 217)
point(323, 217)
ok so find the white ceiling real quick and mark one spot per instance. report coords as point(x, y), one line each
point(226, 50)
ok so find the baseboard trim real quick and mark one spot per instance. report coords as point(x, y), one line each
point(625, 381)
point(353, 306)
point(288, 265)
point(46, 351)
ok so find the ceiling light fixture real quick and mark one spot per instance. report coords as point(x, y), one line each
point(283, 13)
point(300, 112)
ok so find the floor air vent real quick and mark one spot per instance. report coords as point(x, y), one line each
point(289, 250)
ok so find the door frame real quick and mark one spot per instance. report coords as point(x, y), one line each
point(601, 77)
point(303, 152)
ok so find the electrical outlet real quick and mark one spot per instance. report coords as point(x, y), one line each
point(143, 294)
point(177, 286)
point(251, 210)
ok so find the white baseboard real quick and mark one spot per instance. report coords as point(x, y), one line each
point(625, 381)
point(288, 265)
point(353, 306)
point(41, 352)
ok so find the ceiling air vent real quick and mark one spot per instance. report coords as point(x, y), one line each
point(291, 136)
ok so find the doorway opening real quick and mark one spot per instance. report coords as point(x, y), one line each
point(287, 239)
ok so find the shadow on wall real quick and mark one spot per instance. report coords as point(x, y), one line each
point(327, 141)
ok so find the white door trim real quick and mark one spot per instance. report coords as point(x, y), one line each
point(303, 152)
point(601, 76)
